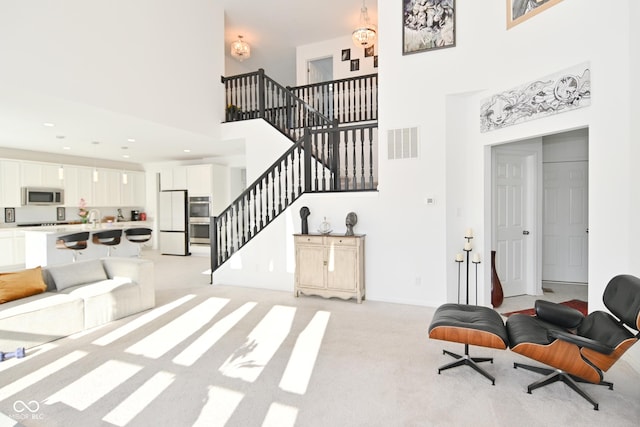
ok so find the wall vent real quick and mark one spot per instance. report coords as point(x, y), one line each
point(402, 143)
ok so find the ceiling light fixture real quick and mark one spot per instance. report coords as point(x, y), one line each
point(365, 35)
point(240, 49)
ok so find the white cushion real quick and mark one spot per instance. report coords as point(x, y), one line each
point(78, 273)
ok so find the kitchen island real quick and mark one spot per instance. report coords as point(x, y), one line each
point(40, 243)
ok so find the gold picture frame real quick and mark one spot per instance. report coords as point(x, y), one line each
point(519, 11)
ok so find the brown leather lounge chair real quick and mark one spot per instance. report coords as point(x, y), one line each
point(580, 348)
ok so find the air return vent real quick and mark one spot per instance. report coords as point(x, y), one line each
point(402, 143)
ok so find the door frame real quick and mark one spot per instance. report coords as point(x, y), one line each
point(531, 151)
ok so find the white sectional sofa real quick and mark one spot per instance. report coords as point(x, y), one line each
point(79, 296)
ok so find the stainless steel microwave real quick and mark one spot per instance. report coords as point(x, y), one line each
point(42, 196)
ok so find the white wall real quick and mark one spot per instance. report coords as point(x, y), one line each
point(149, 68)
point(418, 242)
point(410, 246)
point(333, 48)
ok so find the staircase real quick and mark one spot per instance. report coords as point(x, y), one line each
point(325, 156)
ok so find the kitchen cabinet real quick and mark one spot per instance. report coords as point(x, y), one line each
point(199, 180)
point(330, 266)
point(10, 183)
point(212, 181)
point(134, 190)
point(106, 190)
point(35, 174)
point(174, 178)
point(12, 248)
point(78, 184)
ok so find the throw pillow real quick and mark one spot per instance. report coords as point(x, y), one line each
point(78, 273)
point(21, 284)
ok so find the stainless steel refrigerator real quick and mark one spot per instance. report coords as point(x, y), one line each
point(173, 221)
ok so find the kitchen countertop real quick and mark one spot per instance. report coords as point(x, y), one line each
point(71, 228)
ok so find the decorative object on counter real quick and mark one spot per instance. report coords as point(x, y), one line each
point(120, 216)
point(9, 215)
point(83, 212)
point(497, 295)
point(304, 214)
point(325, 227)
point(350, 221)
point(143, 216)
point(135, 215)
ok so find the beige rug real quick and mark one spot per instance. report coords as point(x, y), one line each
point(210, 356)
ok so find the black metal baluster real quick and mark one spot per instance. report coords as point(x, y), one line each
point(299, 150)
point(279, 187)
point(353, 159)
point(273, 193)
point(346, 161)
point(261, 210)
point(370, 158)
point(293, 188)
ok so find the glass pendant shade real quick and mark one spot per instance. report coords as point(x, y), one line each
point(240, 49)
point(365, 35)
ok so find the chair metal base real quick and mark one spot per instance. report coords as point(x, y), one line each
point(465, 359)
point(554, 375)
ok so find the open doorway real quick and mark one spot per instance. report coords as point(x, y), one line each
point(320, 70)
point(540, 218)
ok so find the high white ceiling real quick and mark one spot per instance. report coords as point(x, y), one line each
point(90, 121)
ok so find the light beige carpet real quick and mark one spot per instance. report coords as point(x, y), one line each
point(244, 357)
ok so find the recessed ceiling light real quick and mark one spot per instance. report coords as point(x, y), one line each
point(66, 148)
point(131, 140)
point(126, 156)
point(124, 147)
point(187, 151)
point(49, 125)
point(95, 142)
point(60, 136)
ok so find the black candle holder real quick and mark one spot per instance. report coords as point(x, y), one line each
point(476, 264)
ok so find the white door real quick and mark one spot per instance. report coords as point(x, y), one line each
point(320, 70)
point(512, 219)
point(566, 211)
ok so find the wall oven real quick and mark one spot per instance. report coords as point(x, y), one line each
point(199, 219)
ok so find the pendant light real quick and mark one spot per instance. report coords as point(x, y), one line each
point(240, 49)
point(365, 35)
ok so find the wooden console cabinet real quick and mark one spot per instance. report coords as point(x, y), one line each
point(330, 266)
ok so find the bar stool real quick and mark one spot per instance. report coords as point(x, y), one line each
point(139, 236)
point(76, 242)
point(109, 238)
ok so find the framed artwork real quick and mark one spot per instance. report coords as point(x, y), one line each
point(346, 54)
point(428, 25)
point(355, 64)
point(369, 51)
point(520, 10)
point(375, 61)
point(564, 91)
point(9, 215)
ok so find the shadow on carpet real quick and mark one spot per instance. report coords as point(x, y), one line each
point(577, 304)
